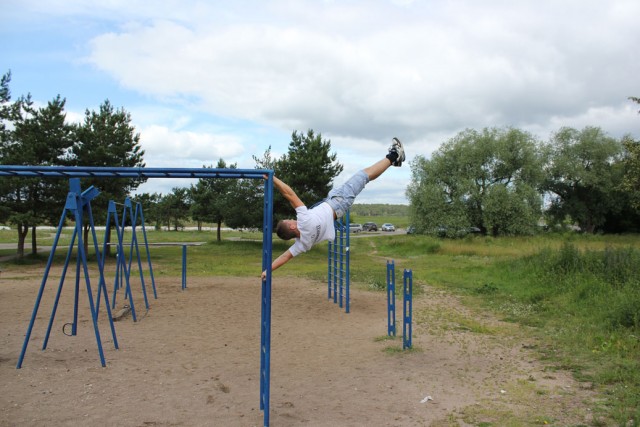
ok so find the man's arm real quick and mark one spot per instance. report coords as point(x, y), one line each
point(278, 262)
point(287, 192)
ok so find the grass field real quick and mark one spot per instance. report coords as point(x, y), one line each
point(579, 295)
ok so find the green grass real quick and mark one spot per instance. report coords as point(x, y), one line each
point(580, 295)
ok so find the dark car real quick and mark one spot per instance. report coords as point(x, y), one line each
point(369, 226)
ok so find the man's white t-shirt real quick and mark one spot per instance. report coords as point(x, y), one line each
point(315, 225)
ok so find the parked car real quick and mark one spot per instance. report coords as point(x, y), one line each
point(411, 229)
point(355, 228)
point(388, 227)
point(369, 226)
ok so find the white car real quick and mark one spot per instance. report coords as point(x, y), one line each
point(355, 228)
point(388, 227)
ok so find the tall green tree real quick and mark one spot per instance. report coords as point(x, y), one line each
point(309, 168)
point(212, 197)
point(107, 138)
point(583, 176)
point(631, 180)
point(39, 137)
point(487, 179)
point(174, 208)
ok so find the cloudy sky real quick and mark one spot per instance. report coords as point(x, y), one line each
point(205, 80)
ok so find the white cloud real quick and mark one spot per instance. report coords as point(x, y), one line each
point(470, 67)
point(167, 148)
point(360, 72)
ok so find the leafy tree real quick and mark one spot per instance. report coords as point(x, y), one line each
point(583, 177)
point(39, 137)
point(246, 204)
point(150, 209)
point(107, 138)
point(309, 168)
point(631, 180)
point(211, 198)
point(174, 208)
point(486, 179)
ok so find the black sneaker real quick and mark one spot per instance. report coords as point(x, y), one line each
point(396, 147)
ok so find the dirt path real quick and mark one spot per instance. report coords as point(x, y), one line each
point(193, 360)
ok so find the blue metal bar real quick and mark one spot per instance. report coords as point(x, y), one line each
point(184, 267)
point(116, 172)
point(391, 298)
point(265, 340)
point(128, 172)
point(102, 286)
point(341, 288)
point(407, 310)
point(336, 245)
point(121, 264)
point(94, 315)
point(329, 260)
point(348, 273)
point(146, 244)
point(42, 285)
point(61, 283)
point(134, 244)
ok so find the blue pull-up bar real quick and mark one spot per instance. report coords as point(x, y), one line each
point(205, 173)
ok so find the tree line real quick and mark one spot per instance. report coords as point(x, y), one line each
point(501, 181)
point(41, 136)
point(504, 181)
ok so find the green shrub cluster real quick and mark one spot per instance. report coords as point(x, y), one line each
point(586, 303)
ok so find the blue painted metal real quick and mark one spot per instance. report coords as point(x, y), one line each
point(407, 310)
point(391, 298)
point(347, 264)
point(329, 269)
point(338, 264)
point(184, 267)
point(77, 203)
point(146, 245)
point(133, 215)
point(120, 172)
point(122, 272)
point(265, 340)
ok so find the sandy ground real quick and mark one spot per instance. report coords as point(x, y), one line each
point(193, 360)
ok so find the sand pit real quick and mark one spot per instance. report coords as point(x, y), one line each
point(193, 360)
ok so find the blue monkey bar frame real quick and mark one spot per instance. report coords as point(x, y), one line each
point(124, 172)
point(338, 263)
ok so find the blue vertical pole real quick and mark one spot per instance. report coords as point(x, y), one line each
point(134, 243)
point(335, 264)
point(391, 299)
point(265, 324)
point(347, 265)
point(329, 260)
point(184, 267)
point(146, 244)
point(341, 288)
point(407, 309)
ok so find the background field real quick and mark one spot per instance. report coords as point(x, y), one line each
point(578, 295)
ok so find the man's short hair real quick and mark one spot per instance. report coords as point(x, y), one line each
point(284, 231)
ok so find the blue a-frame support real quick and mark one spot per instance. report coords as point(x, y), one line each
point(205, 173)
point(78, 203)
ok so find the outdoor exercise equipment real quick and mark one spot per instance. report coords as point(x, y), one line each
point(407, 310)
point(338, 275)
point(78, 203)
point(75, 204)
point(123, 267)
point(391, 298)
point(407, 304)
